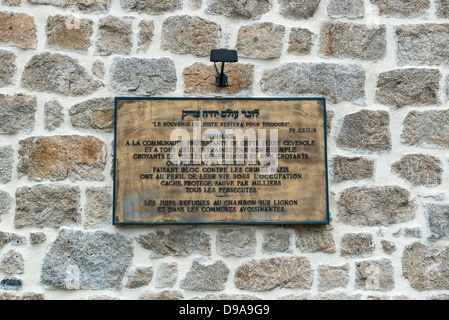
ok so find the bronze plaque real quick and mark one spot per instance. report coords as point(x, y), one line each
point(187, 161)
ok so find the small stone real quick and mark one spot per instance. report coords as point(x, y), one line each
point(17, 113)
point(62, 157)
point(351, 168)
point(12, 262)
point(54, 72)
point(366, 130)
point(408, 87)
point(86, 6)
point(68, 33)
point(250, 9)
point(314, 239)
point(164, 295)
point(166, 275)
point(6, 163)
point(337, 82)
point(388, 246)
point(442, 8)
point(24, 296)
point(419, 169)
point(139, 277)
point(12, 3)
point(6, 202)
point(37, 237)
point(67, 266)
point(426, 129)
point(414, 41)
point(437, 216)
point(96, 114)
point(98, 68)
point(236, 242)
point(199, 79)
point(402, 8)
point(151, 6)
point(277, 242)
point(268, 274)
point(439, 297)
point(53, 114)
point(413, 232)
point(114, 36)
point(146, 33)
point(329, 116)
point(11, 284)
point(142, 76)
point(332, 277)
point(18, 29)
point(98, 209)
point(13, 238)
point(49, 206)
point(260, 40)
point(375, 206)
point(195, 4)
point(7, 68)
point(300, 41)
point(186, 34)
point(176, 242)
point(299, 9)
point(354, 41)
point(351, 9)
point(206, 275)
point(357, 245)
point(426, 267)
point(375, 275)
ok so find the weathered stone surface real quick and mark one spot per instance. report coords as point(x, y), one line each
point(206, 275)
point(13, 238)
point(414, 41)
point(6, 202)
point(98, 68)
point(97, 114)
point(17, 29)
point(166, 275)
point(199, 79)
point(151, 6)
point(98, 209)
point(87, 6)
point(402, 8)
point(66, 264)
point(11, 284)
point(442, 8)
point(388, 246)
point(37, 237)
point(236, 242)
point(49, 206)
point(268, 274)
point(439, 297)
point(298, 9)
point(68, 33)
point(276, 242)
point(6, 163)
point(314, 239)
point(62, 157)
point(426, 129)
point(164, 295)
point(375, 206)
point(437, 216)
point(300, 41)
point(187, 34)
point(419, 169)
point(329, 117)
point(54, 72)
point(53, 114)
point(195, 4)
point(114, 36)
point(251, 9)
point(24, 296)
point(367, 130)
point(146, 33)
point(17, 113)
point(12, 262)
point(351, 168)
point(357, 245)
point(176, 242)
point(337, 82)
point(412, 232)
point(426, 267)
point(408, 87)
point(260, 40)
point(377, 275)
point(142, 76)
point(332, 277)
point(351, 9)
point(356, 41)
point(7, 68)
point(139, 277)
point(12, 3)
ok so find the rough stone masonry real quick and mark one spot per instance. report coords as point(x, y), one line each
point(380, 64)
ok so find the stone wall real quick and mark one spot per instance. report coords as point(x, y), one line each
point(381, 64)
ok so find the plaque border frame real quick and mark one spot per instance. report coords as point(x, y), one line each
point(325, 222)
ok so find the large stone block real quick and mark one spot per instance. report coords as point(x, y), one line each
point(357, 245)
point(151, 6)
point(17, 113)
point(310, 238)
point(146, 33)
point(206, 275)
point(68, 33)
point(351, 168)
point(332, 277)
point(7, 68)
point(96, 114)
point(300, 41)
point(250, 9)
point(260, 40)
point(426, 129)
point(86, 6)
point(114, 36)
point(402, 8)
point(98, 209)
point(419, 169)
point(236, 242)
point(377, 275)
point(298, 9)
point(18, 29)
point(351, 9)
point(437, 216)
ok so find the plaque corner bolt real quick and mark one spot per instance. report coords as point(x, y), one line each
point(223, 56)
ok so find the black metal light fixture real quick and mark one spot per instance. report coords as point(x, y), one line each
point(222, 55)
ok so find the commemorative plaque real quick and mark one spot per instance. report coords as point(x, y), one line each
point(220, 160)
